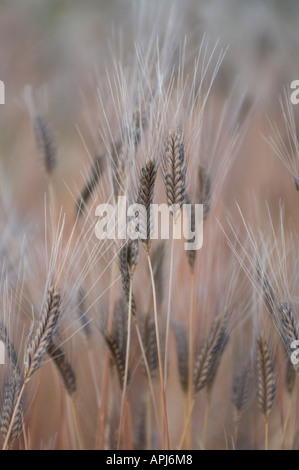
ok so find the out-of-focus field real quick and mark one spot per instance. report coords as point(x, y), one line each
point(62, 49)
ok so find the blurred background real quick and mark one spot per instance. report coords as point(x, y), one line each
point(61, 47)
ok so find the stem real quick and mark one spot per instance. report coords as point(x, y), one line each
point(52, 206)
point(186, 424)
point(236, 428)
point(126, 366)
point(191, 353)
point(76, 424)
point(102, 411)
point(295, 394)
point(206, 419)
point(168, 314)
point(148, 423)
point(24, 434)
point(128, 434)
point(166, 433)
point(266, 433)
point(148, 374)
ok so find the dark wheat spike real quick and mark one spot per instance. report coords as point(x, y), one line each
point(145, 197)
point(242, 389)
point(268, 292)
point(84, 320)
point(12, 391)
point(290, 376)
point(288, 326)
point(65, 369)
point(296, 181)
point(139, 123)
point(209, 355)
point(204, 190)
point(45, 143)
point(91, 184)
point(288, 322)
point(150, 344)
point(9, 348)
point(115, 165)
point(182, 349)
point(191, 254)
point(121, 149)
point(266, 391)
point(175, 169)
point(128, 258)
point(43, 334)
point(120, 325)
point(117, 356)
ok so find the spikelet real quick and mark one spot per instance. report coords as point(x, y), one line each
point(290, 376)
point(12, 355)
point(289, 329)
point(175, 170)
point(145, 197)
point(94, 176)
point(43, 334)
point(82, 316)
point(12, 391)
point(150, 344)
point(65, 369)
point(208, 357)
point(45, 143)
point(266, 390)
point(182, 349)
point(268, 291)
point(120, 325)
point(117, 356)
point(204, 190)
point(128, 259)
point(191, 254)
point(242, 389)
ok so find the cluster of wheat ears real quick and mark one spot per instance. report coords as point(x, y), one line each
point(139, 344)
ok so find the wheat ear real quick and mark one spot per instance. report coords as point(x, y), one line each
point(241, 395)
point(94, 176)
point(12, 390)
point(266, 390)
point(37, 346)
